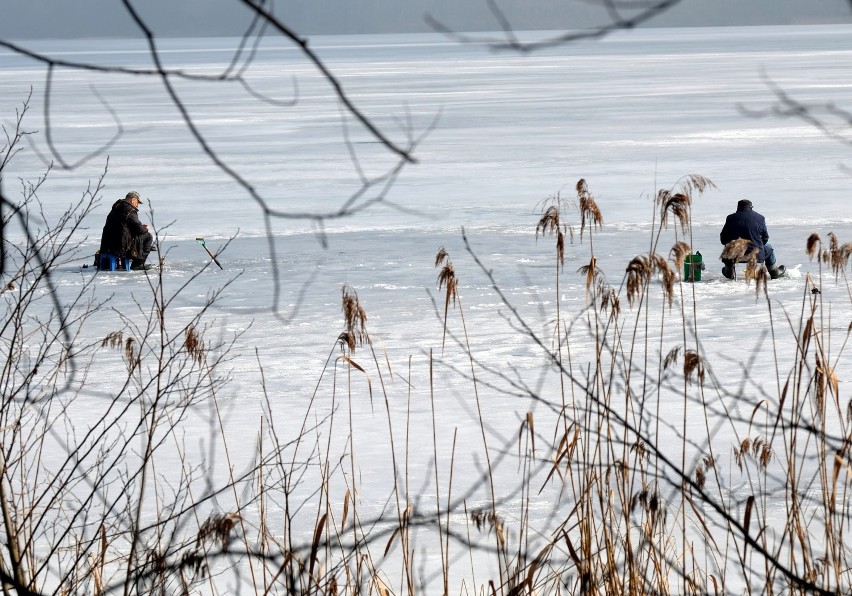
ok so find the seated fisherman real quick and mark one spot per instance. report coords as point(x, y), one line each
point(750, 225)
point(124, 235)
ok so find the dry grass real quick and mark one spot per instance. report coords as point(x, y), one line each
point(632, 469)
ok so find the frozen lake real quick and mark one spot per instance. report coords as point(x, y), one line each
point(497, 134)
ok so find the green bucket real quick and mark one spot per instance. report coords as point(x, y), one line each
point(692, 267)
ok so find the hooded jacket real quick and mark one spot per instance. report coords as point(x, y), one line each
point(121, 230)
point(749, 224)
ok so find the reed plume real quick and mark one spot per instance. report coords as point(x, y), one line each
point(678, 202)
point(447, 277)
point(194, 345)
point(678, 254)
point(696, 183)
point(592, 272)
point(737, 250)
point(675, 203)
point(609, 299)
point(812, 245)
point(131, 354)
point(692, 363)
point(354, 316)
point(639, 272)
point(114, 340)
point(346, 339)
point(837, 255)
point(218, 529)
point(549, 224)
point(589, 212)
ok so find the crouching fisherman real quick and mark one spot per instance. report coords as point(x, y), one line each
point(124, 235)
point(748, 224)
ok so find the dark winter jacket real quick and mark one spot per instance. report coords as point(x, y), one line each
point(121, 230)
point(749, 224)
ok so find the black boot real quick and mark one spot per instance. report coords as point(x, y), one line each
point(776, 271)
point(728, 271)
point(139, 265)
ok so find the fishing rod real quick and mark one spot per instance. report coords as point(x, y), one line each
point(200, 241)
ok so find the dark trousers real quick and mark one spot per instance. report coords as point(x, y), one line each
point(144, 242)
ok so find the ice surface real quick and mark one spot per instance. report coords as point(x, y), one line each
point(631, 114)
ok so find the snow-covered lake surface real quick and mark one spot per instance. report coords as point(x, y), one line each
point(632, 113)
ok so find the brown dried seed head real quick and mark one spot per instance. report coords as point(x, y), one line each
point(833, 241)
point(661, 267)
point(592, 273)
point(678, 254)
point(128, 349)
point(589, 213)
point(692, 363)
point(698, 183)
point(671, 357)
point(678, 205)
point(700, 478)
point(193, 344)
point(447, 277)
point(113, 340)
point(638, 272)
point(839, 254)
point(549, 222)
point(441, 256)
point(668, 285)
point(609, 298)
point(813, 241)
point(736, 250)
point(347, 340)
point(738, 457)
point(217, 529)
point(354, 315)
point(843, 254)
point(615, 301)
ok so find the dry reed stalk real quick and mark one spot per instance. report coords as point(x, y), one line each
point(445, 565)
point(443, 257)
point(549, 223)
point(225, 523)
